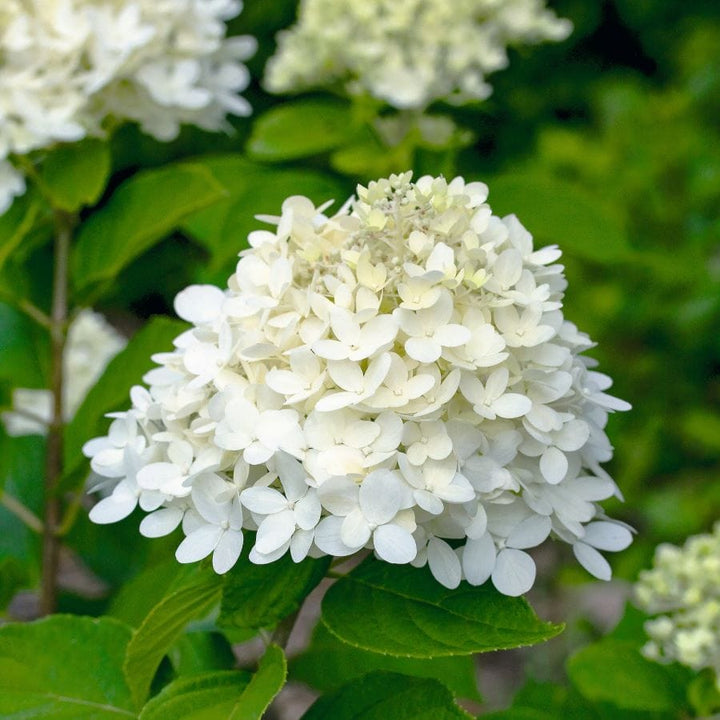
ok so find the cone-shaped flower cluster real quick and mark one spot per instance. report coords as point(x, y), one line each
point(398, 376)
point(408, 53)
point(683, 590)
point(68, 66)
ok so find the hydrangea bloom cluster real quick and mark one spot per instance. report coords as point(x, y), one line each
point(407, 53)
point(683, 590)
point(66, 66)
point(397, 376)
point(91, 344)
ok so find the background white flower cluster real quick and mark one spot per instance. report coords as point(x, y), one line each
point(91, 344)
point(683, 589)
point(407, 53)
point(68, 67)
point(398, 376)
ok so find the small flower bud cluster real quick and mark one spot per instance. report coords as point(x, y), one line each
point(683, 590)
point(409, 53)
point(398, 376)
point(91, 344)
point(68, 66)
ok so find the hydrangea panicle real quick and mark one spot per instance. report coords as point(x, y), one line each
point(683, 591)
point(409, 53)
point(397, 376)
point(68, 66)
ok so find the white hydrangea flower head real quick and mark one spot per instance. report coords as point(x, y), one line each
point(91, 344)
point(409, 53)
point(397, 376)
point(70, 67)
point(683, 591)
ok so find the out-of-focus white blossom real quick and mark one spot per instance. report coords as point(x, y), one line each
point(91, 344)
point(398, 376)
point(409, 53)
point(683, 590)
point(70, 67)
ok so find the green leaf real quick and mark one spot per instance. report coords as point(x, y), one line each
point(210, 696)
point(75, 174)
point(200, 651)
point(142, 211)
point(13, 577)
point(24, 349)
point(380, 696)
point(64, 668)
point(559, 212)
point(407, 613)
point(265, 684)
point(259, 596)
point(614, 671)
point(17, 222)
point(300, 129)
point(138, 596)
point(111, 390)
point(329, 663)
point(189, 600)
point(704, 694)
point(253, 189)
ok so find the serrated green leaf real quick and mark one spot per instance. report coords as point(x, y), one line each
point(404, 611)
point(615, 672)
point(189, 600)
point(559, 212)
point(259, 596)
point(210, 696)
point(300, 129)
point(112, 389)
point(142, 211)
point(264, 685)
point(380, 696)
point(64, 668)
point(137, 597)
point(253, 189)
point(329, 663)
point(75, 174)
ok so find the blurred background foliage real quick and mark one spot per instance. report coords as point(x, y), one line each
point(607, 144)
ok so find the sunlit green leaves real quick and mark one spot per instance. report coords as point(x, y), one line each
point(17, 222)
point(208, 696)
point(259, 596)
point(379, 696)
point(406, 612)
point(64, 668)
point(264, 685)
point(75, 174)
point(191, 598)
point(301, 128)
point(140, 212)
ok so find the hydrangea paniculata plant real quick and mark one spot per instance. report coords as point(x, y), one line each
point(397, 376)
point(410, 53)
point(69, 67)
point(683, 591)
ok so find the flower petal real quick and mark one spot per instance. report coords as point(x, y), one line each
point(444, 563)
point(394, 544)
point(514, 572)
point(592, 561)
point(198, 544)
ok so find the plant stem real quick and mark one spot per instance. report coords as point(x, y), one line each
point(54, 461)
point(281, 634)
point(24, 513)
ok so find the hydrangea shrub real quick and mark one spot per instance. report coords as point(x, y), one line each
point(70, 69)
point(397, 376)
